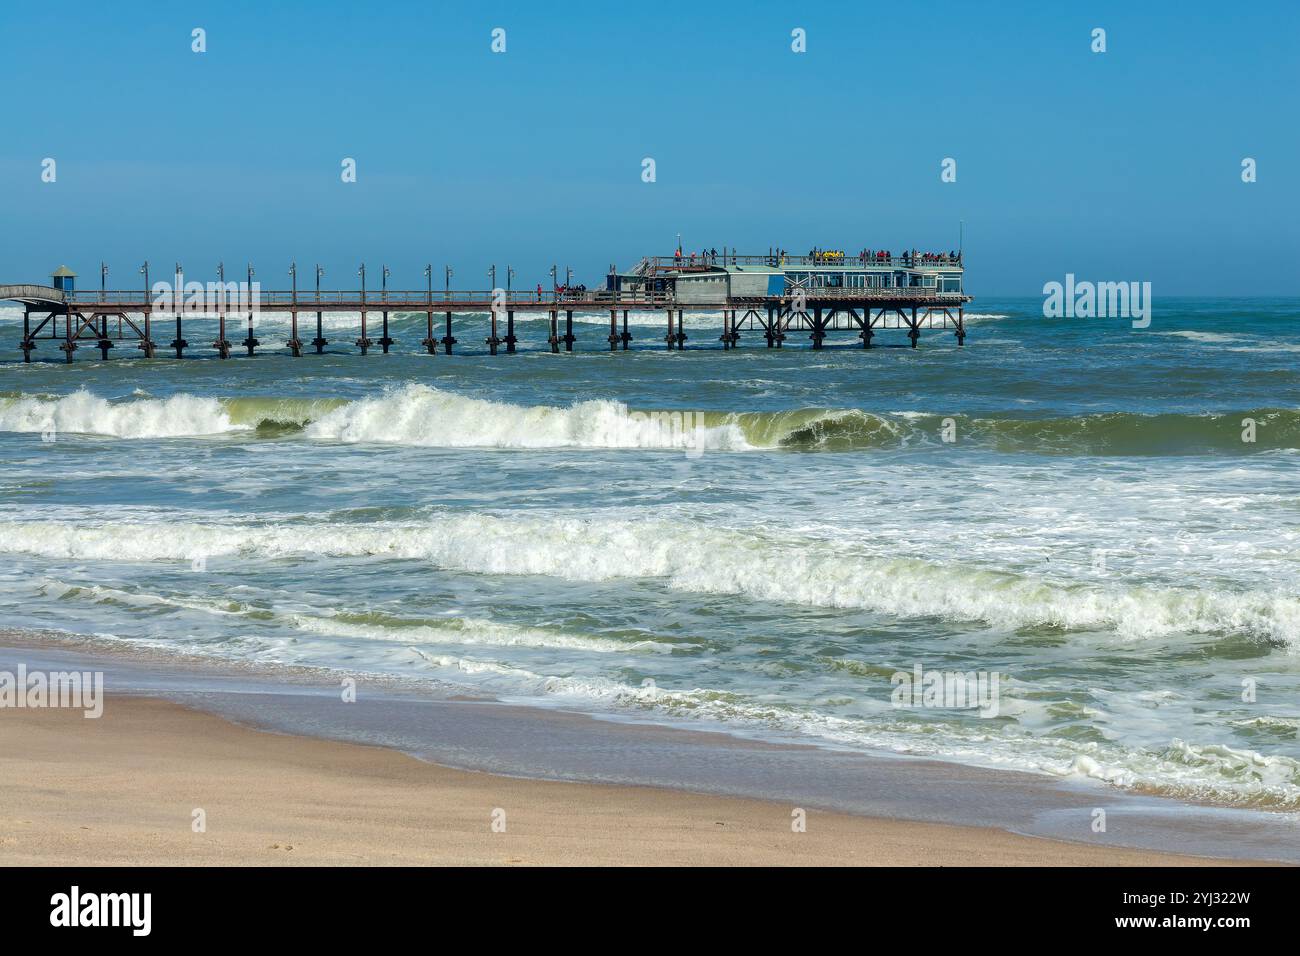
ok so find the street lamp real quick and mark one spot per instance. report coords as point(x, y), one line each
point(319, 342)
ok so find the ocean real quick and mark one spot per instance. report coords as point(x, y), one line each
point(756, 542)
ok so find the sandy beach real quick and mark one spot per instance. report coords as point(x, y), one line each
point(123, 789)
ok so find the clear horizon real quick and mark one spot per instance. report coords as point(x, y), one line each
point(1115, 166)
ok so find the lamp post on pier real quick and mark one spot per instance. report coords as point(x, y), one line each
point(251, 342)
point(448, 340)
point(178, 307)
point(105, 343)
point(319, 340)
point(429, 342)
point(294, 343)
point(221, 345)
point(493, 340)
point(510, 338)
point(554, 339)
point(364, 341)
point(568, 313)
point(147, 344)
point(384, 340)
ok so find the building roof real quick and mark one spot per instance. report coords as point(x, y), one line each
point(61, 272)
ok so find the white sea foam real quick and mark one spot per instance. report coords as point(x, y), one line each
point(466, 631)
point(421, 415)
point(416, 415)
point(1194, 335)
point(85, 413)
point(693, 558)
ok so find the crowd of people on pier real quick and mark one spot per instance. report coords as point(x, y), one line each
point(778, 257)
point(563, 290)
point(886, 257)
point(704, 257)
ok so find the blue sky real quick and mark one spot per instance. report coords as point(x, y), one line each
point(1118, 166)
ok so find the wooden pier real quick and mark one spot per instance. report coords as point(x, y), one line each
point(106, 320)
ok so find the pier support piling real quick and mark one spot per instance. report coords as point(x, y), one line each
point(429, 342)
point(68, 346)
point(104, 343)
point(251, 341)
point(569, 338)
point(147, 344)
point(319, 341)
point(554, 340)
point(179, 343)
point(730, 330)
point(448, 340)
point(511, 339)
point(27, 343)
point(221, 345)
point(626, 337)
point(385, 340)
point(294, 343)
point(613, 330)
point(364, 342)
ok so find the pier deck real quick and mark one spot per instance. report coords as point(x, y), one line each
point(108, 319)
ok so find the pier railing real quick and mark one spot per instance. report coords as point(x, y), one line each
point(379, 300)
point(904, 294)
point(234, 302)
point(677, 263)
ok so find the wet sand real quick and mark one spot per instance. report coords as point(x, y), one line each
point(285, 771)
point(124, 789)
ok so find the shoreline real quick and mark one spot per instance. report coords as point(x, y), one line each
point(227, 730)
point(127, 789)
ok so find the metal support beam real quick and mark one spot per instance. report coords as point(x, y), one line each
point(448, 340)
point(493, 340)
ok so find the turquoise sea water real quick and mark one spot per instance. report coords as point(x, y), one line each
point(1097, 532)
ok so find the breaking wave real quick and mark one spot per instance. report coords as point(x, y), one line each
point(421, 415)
point(747, 562)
